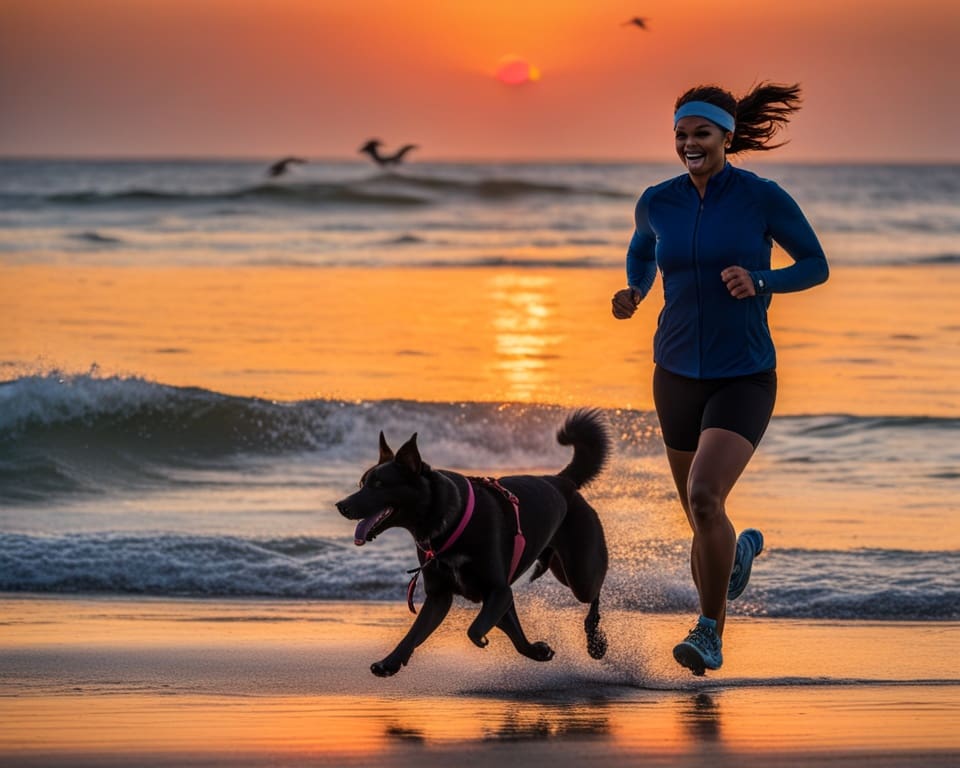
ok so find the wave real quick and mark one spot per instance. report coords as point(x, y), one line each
point(842, 425)
point(938, 259)
point(514, 262)
point(95, 238)
point(411, 239)
point(298, 194)
point(854, 585)
point(77, 433)
point(391, 189)
point(498, 188)
point(479, 262)
point(187, 566)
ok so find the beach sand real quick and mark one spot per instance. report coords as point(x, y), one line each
point(131, 681)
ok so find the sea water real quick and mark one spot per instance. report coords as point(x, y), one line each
point(116, 480)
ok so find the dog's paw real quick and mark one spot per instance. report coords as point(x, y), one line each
point(540, 651)
point(478, 640)
point(597, 643)
point(385, 667)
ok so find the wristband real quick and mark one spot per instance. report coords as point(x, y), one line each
point(759, 284)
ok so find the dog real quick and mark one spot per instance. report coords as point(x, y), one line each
point(475, 536)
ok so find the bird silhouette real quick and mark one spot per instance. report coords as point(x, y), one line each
point(637, 21)
point(372, 148)
point(282, 166)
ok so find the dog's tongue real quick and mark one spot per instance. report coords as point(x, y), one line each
point(366, 525)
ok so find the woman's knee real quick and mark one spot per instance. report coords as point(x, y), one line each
point(706, 503)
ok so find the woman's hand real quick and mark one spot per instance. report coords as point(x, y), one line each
point(625, 303)
point(739, 282)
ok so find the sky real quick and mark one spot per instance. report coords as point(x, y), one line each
point(265, 78)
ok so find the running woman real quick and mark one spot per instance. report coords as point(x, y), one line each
point(710, 233)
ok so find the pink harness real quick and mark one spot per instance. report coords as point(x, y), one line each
point(430, 554)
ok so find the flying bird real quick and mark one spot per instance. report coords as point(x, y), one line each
point(372, 148)
point(637, 21)
point(282, 166)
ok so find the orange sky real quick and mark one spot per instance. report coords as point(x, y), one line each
point(317, 77)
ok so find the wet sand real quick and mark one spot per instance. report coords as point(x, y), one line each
point(121, 681)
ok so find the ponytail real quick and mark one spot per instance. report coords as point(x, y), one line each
point(760, 114)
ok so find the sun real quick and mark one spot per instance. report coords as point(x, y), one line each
point(514, 70)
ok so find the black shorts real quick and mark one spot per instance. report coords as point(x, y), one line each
point(686, 407)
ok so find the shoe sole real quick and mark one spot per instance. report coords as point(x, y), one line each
point(734, 591)
point(688, 656)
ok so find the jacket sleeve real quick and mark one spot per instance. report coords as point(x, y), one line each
point(787, 225)
point(641, 253)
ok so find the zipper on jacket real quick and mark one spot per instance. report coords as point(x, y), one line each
point(696, 269)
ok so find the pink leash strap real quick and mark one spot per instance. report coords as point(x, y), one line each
point(467, 514)
point(519, 542)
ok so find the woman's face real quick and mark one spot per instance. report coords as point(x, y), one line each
point(702, 145)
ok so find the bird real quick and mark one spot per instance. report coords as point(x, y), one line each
point(282, 166)
point(372, 148)
point(637, 21)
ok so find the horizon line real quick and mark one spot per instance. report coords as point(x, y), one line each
point(449, 160)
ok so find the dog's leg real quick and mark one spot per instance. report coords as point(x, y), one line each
point(580, 551)
point(432, 612)
point(556, 568)
point(543, 564)
point(596, 639)
point(510, 624)
point(580, 562)
point(495, 605)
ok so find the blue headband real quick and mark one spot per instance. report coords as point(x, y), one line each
point(712, 112)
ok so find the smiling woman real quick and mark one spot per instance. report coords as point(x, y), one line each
point(714, 398)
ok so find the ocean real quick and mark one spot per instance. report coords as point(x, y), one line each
point(196, 361)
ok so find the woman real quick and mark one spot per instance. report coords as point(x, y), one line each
point(710, 232)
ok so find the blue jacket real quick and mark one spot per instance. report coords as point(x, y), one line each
point(703, 332)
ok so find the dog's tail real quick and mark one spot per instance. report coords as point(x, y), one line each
point(587, 431)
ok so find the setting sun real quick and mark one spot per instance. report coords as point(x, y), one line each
point(514, 70)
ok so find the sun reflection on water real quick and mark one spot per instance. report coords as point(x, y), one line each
point(521, 315)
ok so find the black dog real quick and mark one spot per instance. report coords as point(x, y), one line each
point(476, 536)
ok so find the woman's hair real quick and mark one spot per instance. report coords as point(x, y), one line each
point(759, 114)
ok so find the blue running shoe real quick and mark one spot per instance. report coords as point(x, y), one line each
point(702, 649)
point(749, 545)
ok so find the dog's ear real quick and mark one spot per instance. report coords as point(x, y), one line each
point(409, 456)
point(385, 453)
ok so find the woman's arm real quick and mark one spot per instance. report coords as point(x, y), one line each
point(790, 229)
point(641, 253)
point(641, 266)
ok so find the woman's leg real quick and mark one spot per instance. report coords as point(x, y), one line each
point(713, 426)
point(720, 459)
point(680, 462)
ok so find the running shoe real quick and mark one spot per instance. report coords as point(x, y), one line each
point(749, 545)
point(702, 649)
